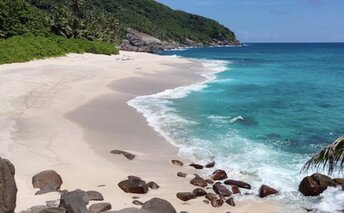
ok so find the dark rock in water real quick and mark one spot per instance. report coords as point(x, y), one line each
point(74, 201)
point(235, 190)
point(210, 165)
point(128, 155)
point(47, 181)
point(185, 196)
point(137, 202)
point(199, 181)
point(100, 207)
point(219, 175)
point(181, 174)
point(177, 162)
point(315, 184)
point(134, 185)
point(247, 121)
point(237, 183)
point(230, 201)
point(217, 202)
point(211, 196)
point(94, 195)
point(196, 166)
point(308, 209)
point(157, 205)
point(198, 192)
point(8, 187)
point(153, 185)
point(265, 191)
point(221, 190)
point(53, 210)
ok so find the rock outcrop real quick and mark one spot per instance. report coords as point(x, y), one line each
point(8, 187)
point(47, 181)
point(177, 162)
point(315, 184)
point(141, 42)
point(199, 192)
point(75, 201)
point(134, 185)
point(128, 155)
point(196, 166)
point(94, 195)
point(100, 207)
point(219, 175)
point(158, 205)
point(185, 196)
point(238, 183)
point(221, 190)
point(198, 181)
point(153, 185)
point(265, 191)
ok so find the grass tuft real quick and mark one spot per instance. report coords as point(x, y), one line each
point(26, 48)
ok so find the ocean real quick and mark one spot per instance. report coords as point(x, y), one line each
point(260, 116)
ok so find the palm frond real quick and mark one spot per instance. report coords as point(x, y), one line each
point(329, 158)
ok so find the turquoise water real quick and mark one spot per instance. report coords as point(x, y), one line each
point(261, 117)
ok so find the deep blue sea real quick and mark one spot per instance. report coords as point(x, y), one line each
point(261, 116)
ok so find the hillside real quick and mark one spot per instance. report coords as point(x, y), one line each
point(113, 21)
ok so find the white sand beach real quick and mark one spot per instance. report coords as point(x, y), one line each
point(66, 114)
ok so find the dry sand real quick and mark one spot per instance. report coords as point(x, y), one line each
point(68, 113)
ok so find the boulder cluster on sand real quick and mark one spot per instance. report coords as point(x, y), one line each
point(216, 190)
point(222, 189)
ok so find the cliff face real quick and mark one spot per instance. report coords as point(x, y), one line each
point(142, 42)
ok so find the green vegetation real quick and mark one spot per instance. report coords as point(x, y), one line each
point(22, 49)
point(17, 17)
point(39, 21)
point(106, 20)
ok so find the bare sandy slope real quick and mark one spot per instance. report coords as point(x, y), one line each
point(68, 113)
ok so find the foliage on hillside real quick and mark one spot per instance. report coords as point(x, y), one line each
point(161, 21)
point(22, 49)
point(108, 20)
point(17, 17)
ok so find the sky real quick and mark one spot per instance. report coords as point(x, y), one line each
point(273, 20)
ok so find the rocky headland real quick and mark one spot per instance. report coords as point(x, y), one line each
point(141, 42)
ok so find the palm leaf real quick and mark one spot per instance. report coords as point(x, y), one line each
point(331, 157)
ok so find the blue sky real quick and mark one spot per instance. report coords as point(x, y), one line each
point(273, 20)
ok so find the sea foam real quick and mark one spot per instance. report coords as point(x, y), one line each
point(157, 110)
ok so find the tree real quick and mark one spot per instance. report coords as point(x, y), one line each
point(77, 7)
point(331, 158)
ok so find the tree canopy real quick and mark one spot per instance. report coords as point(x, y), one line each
point(106, 20)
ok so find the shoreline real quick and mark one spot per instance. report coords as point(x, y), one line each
point(81, 105)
